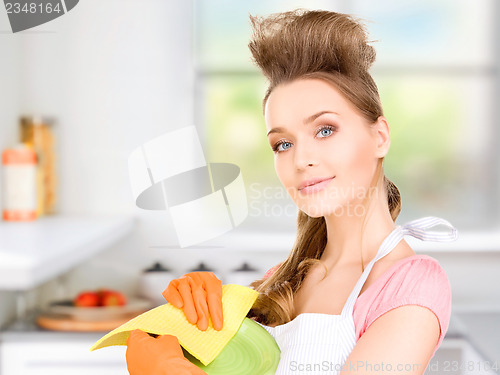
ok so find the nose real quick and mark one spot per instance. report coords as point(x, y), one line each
point(305, 156)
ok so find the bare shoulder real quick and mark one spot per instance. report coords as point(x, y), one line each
point(405, 335)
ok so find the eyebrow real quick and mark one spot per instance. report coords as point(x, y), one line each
point(306, 121)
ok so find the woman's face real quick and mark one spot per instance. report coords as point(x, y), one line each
point(316, 134)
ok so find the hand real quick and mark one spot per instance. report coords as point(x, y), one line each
point(163, 355)
point(194, 291)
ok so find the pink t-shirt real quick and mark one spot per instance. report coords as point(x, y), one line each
point(415, 280)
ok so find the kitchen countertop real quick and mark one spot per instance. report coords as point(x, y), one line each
point(480, 329)
point(34, 252)
point(28, 330)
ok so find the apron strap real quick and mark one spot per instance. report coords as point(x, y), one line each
point(417, 228)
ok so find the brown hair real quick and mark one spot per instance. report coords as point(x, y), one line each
point(313, 45)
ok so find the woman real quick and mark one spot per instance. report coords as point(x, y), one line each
point(352, 295)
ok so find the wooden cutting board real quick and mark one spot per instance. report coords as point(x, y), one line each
point(67, 323)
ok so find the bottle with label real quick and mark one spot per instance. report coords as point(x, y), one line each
point(19, 193)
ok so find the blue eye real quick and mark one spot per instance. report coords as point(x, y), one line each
point(277, 146)
point(326, 131)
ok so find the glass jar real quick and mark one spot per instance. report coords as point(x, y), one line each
point(37, 132)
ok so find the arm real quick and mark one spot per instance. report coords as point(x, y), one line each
point(406, 321)
point(401, 341)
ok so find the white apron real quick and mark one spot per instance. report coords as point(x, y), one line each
point(317, 343)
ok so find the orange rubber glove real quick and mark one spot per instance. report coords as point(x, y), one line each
point(198, 293)
point(163, 355)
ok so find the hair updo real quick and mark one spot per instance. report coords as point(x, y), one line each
point(323, 45)
point(290, 44)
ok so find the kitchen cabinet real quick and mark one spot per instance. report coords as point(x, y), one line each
point(54, 353)
point(31, 350)
point(34, 252)
point(483, 331)
point(471, 345)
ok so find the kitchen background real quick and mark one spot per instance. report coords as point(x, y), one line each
point(114, 74)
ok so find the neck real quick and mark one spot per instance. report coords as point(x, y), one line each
point(348, 244)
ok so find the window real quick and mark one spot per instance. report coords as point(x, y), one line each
point(437, 73)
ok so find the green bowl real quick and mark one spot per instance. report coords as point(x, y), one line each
point(251, 351)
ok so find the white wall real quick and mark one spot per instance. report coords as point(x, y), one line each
point(10, 71)
point(114, 74)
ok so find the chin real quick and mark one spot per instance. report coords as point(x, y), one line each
point(326, 207)
point(317, 209)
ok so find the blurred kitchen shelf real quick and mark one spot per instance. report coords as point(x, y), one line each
point(34, 252)
point(467, 242)
point(282, 242)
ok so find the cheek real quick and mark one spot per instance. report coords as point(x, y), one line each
point(282, 171)
point(352, 160)
point(362, 161)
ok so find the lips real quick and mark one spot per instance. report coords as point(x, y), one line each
point(317, 181)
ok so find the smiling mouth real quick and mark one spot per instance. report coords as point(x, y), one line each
point(317, 186)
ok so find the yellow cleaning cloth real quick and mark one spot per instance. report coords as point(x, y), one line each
point(167, 319)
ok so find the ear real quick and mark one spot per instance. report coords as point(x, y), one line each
point(382, 137)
